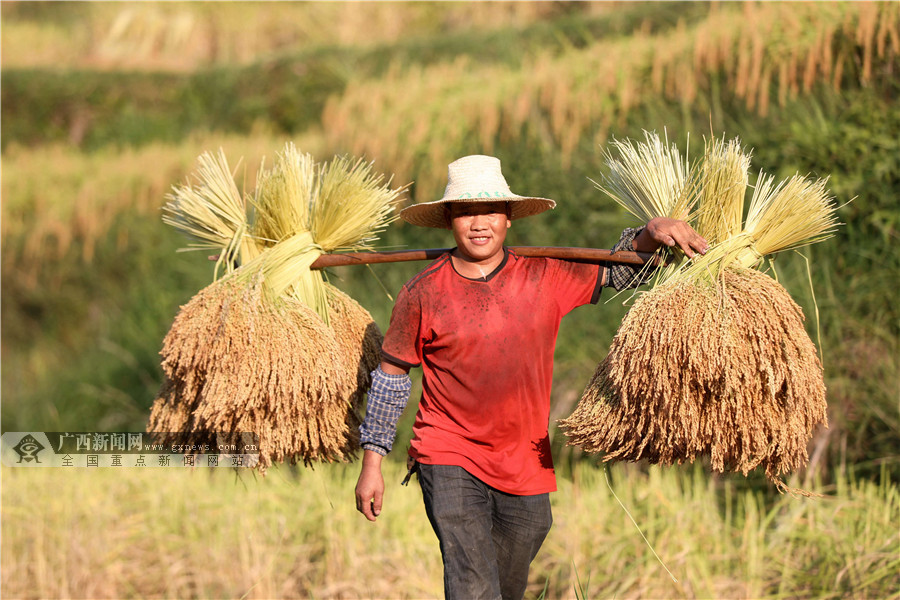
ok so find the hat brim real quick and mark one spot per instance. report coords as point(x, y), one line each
point(431, 214)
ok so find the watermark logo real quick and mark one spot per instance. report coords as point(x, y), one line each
point(119, 449)
point(28, 448)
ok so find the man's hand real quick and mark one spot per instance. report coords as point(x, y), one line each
point(370, 486)
point(663, 231)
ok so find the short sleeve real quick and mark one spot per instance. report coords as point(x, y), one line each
point(403, 340)
point(575, 284)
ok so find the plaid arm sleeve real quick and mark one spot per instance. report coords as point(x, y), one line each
point(387, 398)
point(622, 276)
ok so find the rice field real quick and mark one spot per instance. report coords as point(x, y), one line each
point(295, 533)
point(182, 36)
point(92, 282)
point(762, 52)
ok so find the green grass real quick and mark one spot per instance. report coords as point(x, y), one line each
point(295, 533)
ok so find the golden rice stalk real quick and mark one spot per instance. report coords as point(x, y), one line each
point(272, 349)
point(342, 204)
point(650, 179)
point(714, 360)
point(284, 196)
point(722, 369)
point(723, 186)
point(304, 209)
point(353, 206)
point(238, 363)
point(285, 269)
point(212, 213)
point(793, 214)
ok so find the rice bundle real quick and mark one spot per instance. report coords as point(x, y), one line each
point(359, 340)
point(272, 348)
point(715, 360)
point(222, 378)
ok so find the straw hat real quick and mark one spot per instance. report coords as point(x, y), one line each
point(474, 179)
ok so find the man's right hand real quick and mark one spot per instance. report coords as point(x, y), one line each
point(370, 486)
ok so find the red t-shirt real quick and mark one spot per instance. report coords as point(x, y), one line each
point(486, 349)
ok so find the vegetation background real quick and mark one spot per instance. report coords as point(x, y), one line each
point(105, 106)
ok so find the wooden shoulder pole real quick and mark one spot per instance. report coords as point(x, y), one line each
point(593, 255)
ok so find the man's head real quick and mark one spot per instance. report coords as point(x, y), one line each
point(474, 179)
point(479, 228)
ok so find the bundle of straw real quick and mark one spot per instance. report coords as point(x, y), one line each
point(714, 360)
point(272, 348)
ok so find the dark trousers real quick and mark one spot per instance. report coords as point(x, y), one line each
point(488, 538)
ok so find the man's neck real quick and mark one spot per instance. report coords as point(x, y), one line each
point(475, 269)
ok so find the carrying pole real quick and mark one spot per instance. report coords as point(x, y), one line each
point(590, 255)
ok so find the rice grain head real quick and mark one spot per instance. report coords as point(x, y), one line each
point(359, 340)
point(722, 189)
point(241, 364)
point(171, 413)
point(723, 370)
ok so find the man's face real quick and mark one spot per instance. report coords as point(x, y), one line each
point(479, 228)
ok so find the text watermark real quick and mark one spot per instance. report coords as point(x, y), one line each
point(127, 449)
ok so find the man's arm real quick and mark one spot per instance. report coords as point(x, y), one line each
point(663, 231)
point(657, 232)
point(387, 399)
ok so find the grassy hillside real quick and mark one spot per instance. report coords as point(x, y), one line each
point(285, 90)
point(187, 36)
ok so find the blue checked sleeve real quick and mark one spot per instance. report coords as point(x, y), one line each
point(387, 398)
point(624, 276)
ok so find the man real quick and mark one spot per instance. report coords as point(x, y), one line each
point(482, 323)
